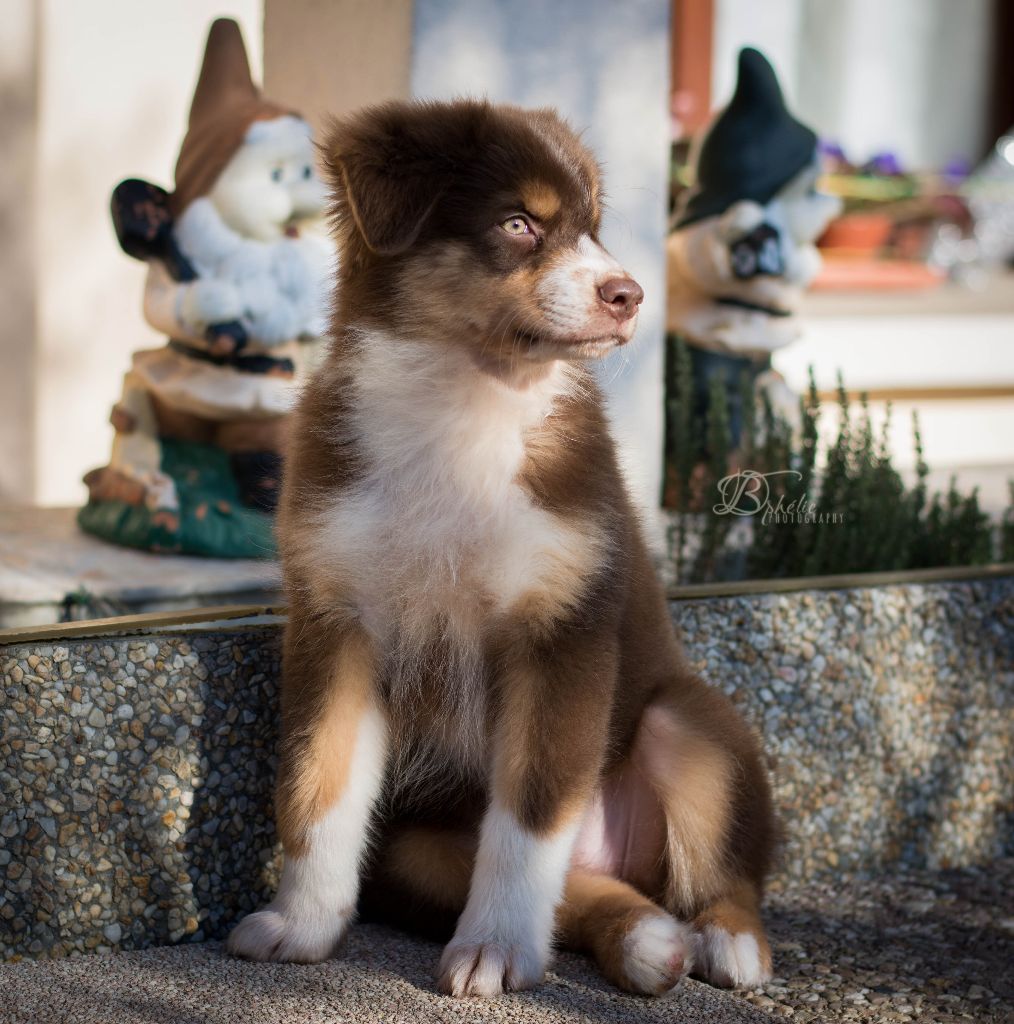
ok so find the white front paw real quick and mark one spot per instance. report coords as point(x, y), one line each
point(271, 934)
point(487, 967)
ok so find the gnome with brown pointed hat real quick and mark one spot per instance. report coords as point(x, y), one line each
point(239, 271)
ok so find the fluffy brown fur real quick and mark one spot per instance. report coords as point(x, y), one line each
point(504, 625)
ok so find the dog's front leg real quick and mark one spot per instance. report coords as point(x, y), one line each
point(332, 765)
point(549, 743)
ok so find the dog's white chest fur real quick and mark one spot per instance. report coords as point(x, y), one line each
point(438, 537)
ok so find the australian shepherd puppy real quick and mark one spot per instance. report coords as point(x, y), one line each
point(485, 710)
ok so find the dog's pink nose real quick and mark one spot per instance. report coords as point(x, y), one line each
point(622, 296)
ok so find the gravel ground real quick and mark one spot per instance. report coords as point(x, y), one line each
point(915, 947)
point(381, 977)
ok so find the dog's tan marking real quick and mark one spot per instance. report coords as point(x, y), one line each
point(545, 787)
point(541, 200)
point(434, 863)
point(736, 912)
point(316, 756)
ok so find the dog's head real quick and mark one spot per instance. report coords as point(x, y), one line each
point(477, 225)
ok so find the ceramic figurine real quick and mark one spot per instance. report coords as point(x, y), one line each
point(742, 252)
point(239, 273)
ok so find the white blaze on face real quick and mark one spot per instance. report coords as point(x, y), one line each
point(568, 294)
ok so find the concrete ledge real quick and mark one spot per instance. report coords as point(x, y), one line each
point(49, 567)
point(136, 772)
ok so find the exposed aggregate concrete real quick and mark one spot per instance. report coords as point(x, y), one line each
point(136, 773)
point(887, 713)
point(136, 778)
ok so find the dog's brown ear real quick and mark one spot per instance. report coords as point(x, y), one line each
point(388, 174)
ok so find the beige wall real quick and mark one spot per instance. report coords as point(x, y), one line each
point(328, 57)
point(114, 80)
point(17, 274)
point(91, 93)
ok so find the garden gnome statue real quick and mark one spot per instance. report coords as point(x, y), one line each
point(239, 270)
point(742, 252)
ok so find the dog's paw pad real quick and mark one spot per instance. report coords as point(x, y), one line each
point(732, 960)
point(656, 954)
point(487, 968)
point(272, 935)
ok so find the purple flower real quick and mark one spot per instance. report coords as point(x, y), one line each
point(883, 163)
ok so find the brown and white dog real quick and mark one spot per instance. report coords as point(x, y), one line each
point(484, 706)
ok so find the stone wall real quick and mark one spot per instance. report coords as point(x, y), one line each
point(135, 789)
point(136, 773)
point(888, 715)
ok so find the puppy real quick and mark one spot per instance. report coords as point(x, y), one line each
point(483, 700)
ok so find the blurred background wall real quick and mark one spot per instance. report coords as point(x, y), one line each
point(18, 116)
point(91, 93)
point(910, 76)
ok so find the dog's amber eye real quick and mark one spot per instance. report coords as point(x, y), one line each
point(516, 226)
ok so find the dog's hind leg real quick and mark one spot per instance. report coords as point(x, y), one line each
point(636, 944)
point(703, 763)
point(433, 864)
point(333, 758)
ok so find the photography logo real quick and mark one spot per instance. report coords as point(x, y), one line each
point(748, 493)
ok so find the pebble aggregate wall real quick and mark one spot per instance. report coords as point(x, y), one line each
point(136, 773)
point(887, 712)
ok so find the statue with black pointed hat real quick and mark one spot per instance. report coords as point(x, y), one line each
point(239, 274)
point(743, 250)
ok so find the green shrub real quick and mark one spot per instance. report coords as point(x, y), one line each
point(858, 513)
point(1007, 529)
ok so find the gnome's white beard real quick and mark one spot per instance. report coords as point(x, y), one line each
point(285, 285)
point(701, 272)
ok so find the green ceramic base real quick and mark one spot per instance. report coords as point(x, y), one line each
point(210, 520)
